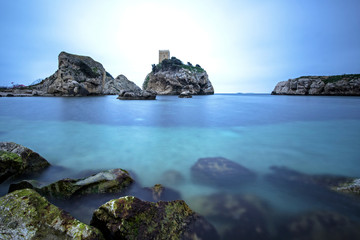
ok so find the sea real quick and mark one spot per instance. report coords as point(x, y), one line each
point(310, 135)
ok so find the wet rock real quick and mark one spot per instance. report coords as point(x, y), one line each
point(159, 192)
point(352, 187)
point(130, 218)
point(221, 172)
point(17, 160)
point(185, 94)
point(235, 216)
point(320, 225)
point(24, 214)
point(287, 175)
point(111, 181)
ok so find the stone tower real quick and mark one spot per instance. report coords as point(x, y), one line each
point(164, 54)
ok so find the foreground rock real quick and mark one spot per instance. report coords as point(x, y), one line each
point(112, 181)
point(131, 218)
point(220, 172)
point(17, 160)
point(320, 225)
point(24, 214)
point(172, 77)
point(236, 216)
point(340, 85)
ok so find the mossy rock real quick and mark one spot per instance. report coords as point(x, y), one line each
point(111, 181)
point(131, 218)
point(17, 160)
point(24, 214)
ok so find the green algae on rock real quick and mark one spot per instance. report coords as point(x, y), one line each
point(131, 218)
point(24, 214)
point(17, 160)
point(111, 181)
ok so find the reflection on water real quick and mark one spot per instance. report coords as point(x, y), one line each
point(160, 141)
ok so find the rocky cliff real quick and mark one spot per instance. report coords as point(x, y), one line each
point(172, 77)
point(81, 76)
point(339, 85)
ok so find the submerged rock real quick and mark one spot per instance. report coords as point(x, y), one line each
point(24, 214)
point(172, 177)
point(130, 218)
point(320, 225)
point(172, 77)
point(111, 181)
point(236, 216)
point(159, 192)
point(17, 160)
point(343, 85)
point(220, 171)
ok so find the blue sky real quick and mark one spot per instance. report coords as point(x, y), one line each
point(245, 46)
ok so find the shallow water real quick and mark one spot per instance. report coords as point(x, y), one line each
point(308, 134)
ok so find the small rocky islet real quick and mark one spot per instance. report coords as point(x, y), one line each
point(129, 211)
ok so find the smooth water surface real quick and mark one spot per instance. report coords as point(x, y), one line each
point(308, 134)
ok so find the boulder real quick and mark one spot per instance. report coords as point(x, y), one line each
point(185, 94)
point(352, 187)
point(17, 160)
point(131, 218)
point(338, 85)
point(159, 192)
point(320, 225)
point(111, 181)
point(220, 171)
point(24, 214)
point(172, 77)
point(237, 216)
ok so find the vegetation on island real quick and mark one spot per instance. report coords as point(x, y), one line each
point(335, 78)
point(175, 64)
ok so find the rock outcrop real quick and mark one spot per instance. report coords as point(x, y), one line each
point(172, 77)
point(17, 160)
point(131, 218)
point(339, 85)
point(219, 171)
point(128, 90)
point(111, 181)
point(81, 76)
point(24, 214)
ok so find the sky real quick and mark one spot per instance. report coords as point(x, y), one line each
point(245, 45)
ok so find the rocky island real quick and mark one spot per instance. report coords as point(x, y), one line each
point(338, 85)
point(80, 76)
point(172, 77)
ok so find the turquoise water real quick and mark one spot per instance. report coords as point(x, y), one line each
point(309, 134)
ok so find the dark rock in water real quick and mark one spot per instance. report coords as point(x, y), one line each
point(172, 177)
point(338, 85)
point(130, 218)
point(220, 171)
point(284, 174)
point(112, 181)
point(172, 77)
point(159, 192)
point(236, 216)
point(24, 214)
point(17, 160)
point(320, 226)
point(185, 94)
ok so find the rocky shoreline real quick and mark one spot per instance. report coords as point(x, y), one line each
point(338, 85)
point(32, 210)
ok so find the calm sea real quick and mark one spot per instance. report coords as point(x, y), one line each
point(313, 135)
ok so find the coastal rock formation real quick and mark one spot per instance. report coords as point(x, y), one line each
point(80, 76)
point(24, 214)
point(111, 181)
point(352, 187)
point(131, 218)
point(172, 77)
point(17, 160)
point(128, 90)
point(241, 216)
point(220, 171)
point(339, 85)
